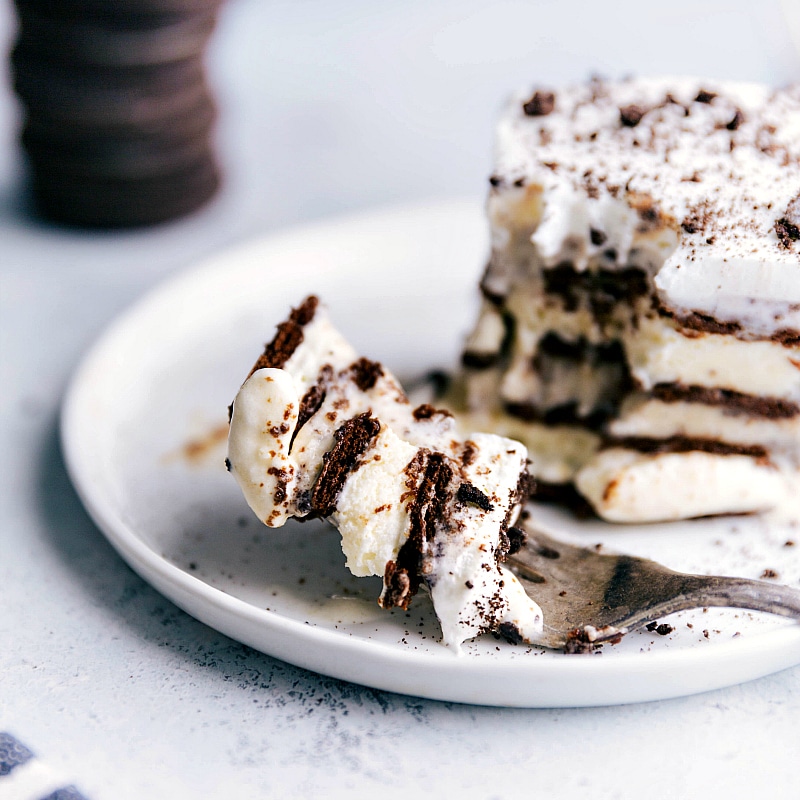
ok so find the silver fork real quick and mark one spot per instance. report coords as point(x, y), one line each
point(589, 598)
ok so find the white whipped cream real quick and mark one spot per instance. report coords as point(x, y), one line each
point(643, 241)
point(651, 418)
point(657, 353)
point(718, 191)
point(280, 464)
point(627, 486)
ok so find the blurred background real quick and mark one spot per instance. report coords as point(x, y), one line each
point(329, 106)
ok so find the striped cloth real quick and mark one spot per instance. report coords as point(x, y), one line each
point(25, 777)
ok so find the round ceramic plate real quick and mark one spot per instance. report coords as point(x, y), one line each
point(144, 427)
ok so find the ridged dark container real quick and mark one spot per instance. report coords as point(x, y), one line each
point(118, 116)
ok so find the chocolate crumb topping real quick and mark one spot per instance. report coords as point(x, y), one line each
point(788, 226)
point(700, 218)
point(704, 96)
point(664, 629)
point(351, 440)
point(788, 337)
point(694, 222)
point(526, 487)
point(503, 546)
point(578, 642)
point(690, 224)
point(469, 453)
point(630, 116)
point(738, 119)
point(787, 232)
point(649, 212)
point(282, 479)
point(540, 105)
point(671, 100)
point(516, 540)
point(510, 632)
point(598, 238)
point(366, 373)
point(467, 493)
point(769, 574)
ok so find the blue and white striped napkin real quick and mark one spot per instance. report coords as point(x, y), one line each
point(25, 777)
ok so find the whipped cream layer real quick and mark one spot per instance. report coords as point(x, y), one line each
point(318, 431)
point(703, 175)
point(661, 461)
point(629, 486)
point(640, 315)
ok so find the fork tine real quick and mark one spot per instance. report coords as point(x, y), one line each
point(579, 588)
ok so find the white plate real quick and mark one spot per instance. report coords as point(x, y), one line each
point(143, 428)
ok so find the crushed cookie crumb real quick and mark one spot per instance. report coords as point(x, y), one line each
point(735, 123)
point(704, 96)
point(630, 116)
point(541, 104)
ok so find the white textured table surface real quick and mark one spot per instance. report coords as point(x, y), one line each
point(326, 107)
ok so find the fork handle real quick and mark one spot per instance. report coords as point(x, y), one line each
point(746, 593)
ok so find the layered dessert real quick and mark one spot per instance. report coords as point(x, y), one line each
point(640, 319)
point(318, 431)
